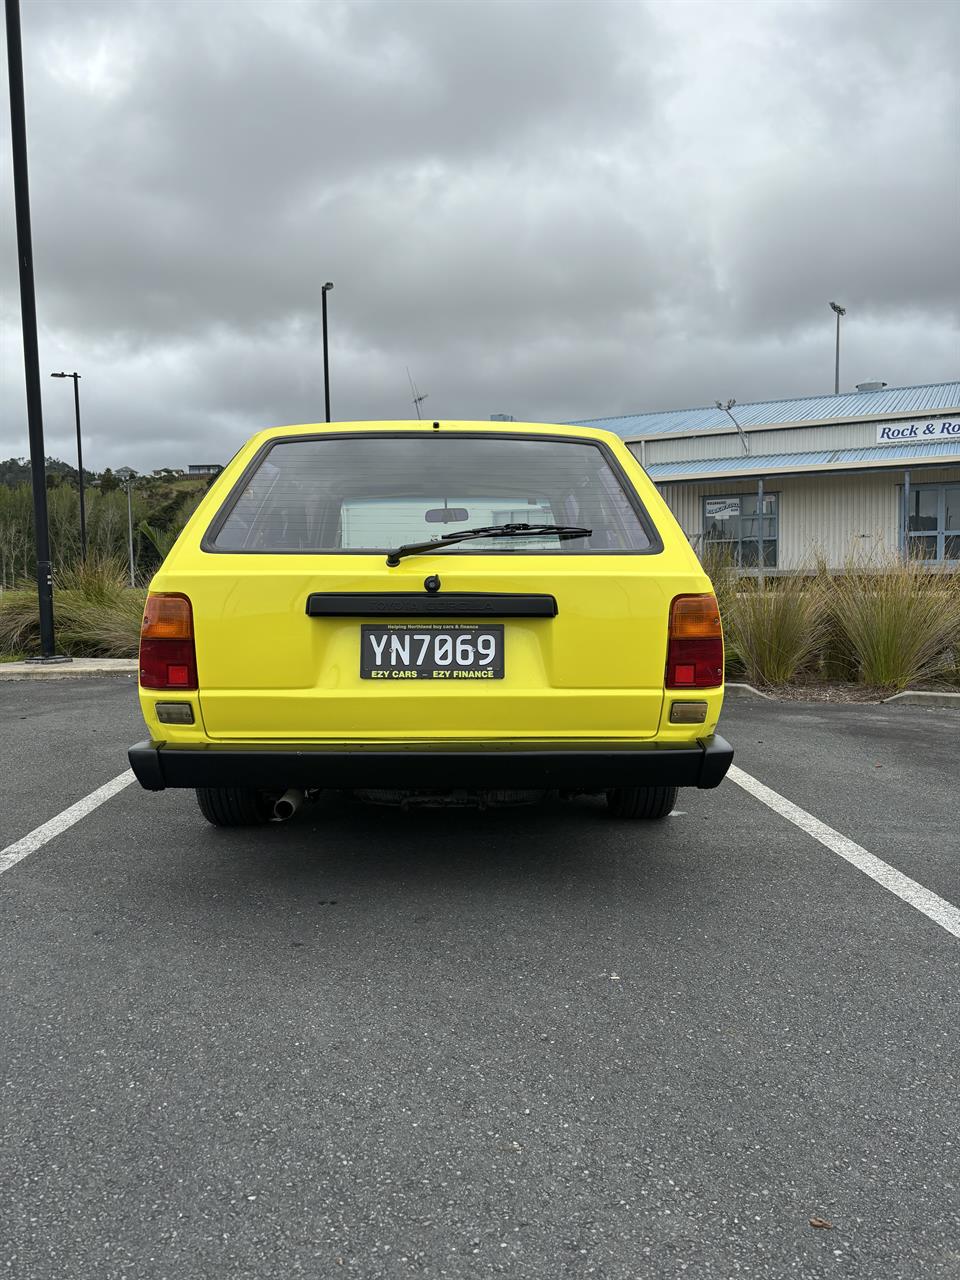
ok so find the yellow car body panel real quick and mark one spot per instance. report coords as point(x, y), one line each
point(270, 673)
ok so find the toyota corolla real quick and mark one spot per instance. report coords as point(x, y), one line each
point(459, 611)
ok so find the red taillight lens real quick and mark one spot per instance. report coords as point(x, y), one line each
point(168, 658)
point(695, 649)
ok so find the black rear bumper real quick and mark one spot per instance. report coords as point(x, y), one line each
point(158, 765)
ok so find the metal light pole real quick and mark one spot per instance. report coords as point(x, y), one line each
point(841, 311)
point(133, 581)
point(28, 316)
point(83, 510)
point(326, 360)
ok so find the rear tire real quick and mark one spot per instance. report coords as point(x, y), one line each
point(641, 802)
point(234, 806)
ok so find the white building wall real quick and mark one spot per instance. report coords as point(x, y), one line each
point(838, 518)
point(834, 515)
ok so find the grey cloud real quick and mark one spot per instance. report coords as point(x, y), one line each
point(552, 209)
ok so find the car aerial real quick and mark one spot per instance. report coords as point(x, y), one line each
point(435, 612)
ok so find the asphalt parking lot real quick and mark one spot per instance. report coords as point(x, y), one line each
point(535, 1043)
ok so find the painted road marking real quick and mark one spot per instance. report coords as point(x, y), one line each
point(14, 853)
point(935, 908)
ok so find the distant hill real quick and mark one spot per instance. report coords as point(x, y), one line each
point(14, 471)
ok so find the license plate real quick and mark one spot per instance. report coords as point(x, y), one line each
point(432, 651)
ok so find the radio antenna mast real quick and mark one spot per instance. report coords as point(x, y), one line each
point(418, 399)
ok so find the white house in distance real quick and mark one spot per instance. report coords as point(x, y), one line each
point(866, 474)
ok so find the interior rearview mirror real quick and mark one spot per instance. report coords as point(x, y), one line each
point(446, 515)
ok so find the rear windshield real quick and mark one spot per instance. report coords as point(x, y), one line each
point(372, 493)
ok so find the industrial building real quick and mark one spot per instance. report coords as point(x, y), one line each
point(863, 475)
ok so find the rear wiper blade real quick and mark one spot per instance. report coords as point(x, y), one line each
point(561, 531)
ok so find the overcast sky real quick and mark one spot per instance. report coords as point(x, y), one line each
point(552, 209)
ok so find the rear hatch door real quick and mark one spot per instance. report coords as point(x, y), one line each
point(304, 633)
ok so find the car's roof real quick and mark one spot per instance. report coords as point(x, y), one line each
point(431, 425)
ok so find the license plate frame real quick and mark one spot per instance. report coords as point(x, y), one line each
point(409, 651)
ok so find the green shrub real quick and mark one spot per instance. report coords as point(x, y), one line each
point(19, 624)
point(92, 630)
point(901, 624)
point(83, 629)
point(95, 614)
point(100, 578)
point(776, 629)
point(722, 572)
point(161, 540)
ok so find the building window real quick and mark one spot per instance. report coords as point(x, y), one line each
point(730, 525)
point(933, 524)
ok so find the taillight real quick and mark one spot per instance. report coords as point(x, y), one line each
point(168, 659)
point(695, 649)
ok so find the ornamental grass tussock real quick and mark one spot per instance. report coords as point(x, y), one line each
point(779, 627)
point(883, 625)
point(901, 624)
point(97, 614)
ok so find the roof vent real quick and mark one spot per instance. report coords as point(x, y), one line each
point(870, 386)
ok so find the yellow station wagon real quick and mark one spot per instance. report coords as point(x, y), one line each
point(441, 612)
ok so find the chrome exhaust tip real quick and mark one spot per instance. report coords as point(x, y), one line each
point(287, 805)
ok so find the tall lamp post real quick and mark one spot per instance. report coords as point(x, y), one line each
point(133, 580)
point(28, 316)
point(840, 311)
point(326, 360)
point(83, 510)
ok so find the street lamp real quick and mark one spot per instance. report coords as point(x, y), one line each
point(126, 476)
point(841, 311)
point(128, 483)
point(28, 317)
point(83, 511)
point(326, 361)
point(133, 579)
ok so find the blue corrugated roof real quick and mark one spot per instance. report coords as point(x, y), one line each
point(932, 397)
point(813, 460)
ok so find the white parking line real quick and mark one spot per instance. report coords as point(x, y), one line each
point(935, 908)
point(14, 853)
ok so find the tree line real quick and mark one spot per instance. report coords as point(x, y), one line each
point(160, 505)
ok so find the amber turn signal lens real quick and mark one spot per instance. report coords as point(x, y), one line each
point(167, 617)
point(168, 658)
point(695, 648)
point(695, 618)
